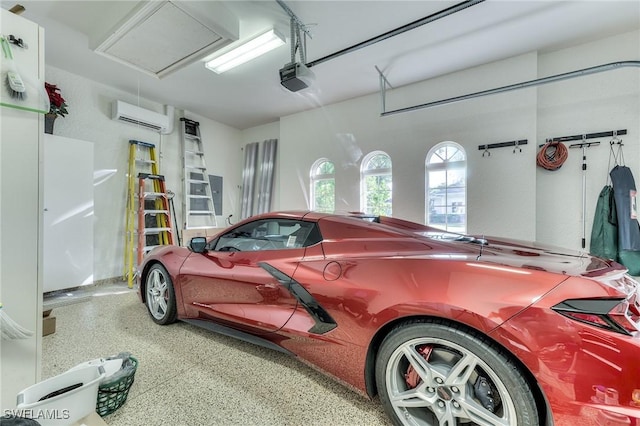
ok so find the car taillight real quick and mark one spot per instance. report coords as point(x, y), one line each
point(627, 314)
point(619, 315)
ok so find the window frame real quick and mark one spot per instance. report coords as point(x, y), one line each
point(445, 166)
point(366, 172)
point(245, 238)
point(317, 177)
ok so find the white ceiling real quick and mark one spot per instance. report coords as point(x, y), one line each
point(251, 94)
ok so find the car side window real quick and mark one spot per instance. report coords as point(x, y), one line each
point(269, 234)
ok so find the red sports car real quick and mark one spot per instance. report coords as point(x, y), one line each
point(446, 329)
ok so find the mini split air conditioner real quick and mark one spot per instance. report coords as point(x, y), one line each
point(132, 114)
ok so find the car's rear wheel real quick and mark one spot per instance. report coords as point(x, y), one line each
point(161, 298)
point(434, 373)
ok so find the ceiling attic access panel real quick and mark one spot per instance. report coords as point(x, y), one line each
point(160, 37)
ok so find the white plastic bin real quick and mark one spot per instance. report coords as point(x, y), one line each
point(67, 406)
point(111, 366)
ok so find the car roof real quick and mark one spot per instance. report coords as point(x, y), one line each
point(293, 214)
point(357, 223)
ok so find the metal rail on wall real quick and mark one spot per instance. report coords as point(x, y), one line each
point(531, 83)
point(598, 135)
point(585, 136)
point(515, 144)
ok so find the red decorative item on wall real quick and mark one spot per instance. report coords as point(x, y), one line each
point(58, 103)
point(58, 107)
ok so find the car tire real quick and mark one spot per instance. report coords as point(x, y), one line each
point(456, 376)
point(160, 295)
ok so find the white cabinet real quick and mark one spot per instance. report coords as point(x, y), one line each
point(68, 213)
point(21, 219)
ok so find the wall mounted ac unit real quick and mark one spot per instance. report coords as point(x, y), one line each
point(132, 114)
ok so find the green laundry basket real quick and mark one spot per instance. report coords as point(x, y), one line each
point(112, 394)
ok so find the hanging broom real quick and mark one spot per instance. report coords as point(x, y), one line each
point(11, 330)
point(13, 81)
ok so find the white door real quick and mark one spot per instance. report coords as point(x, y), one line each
point(68, 213)
point(21, 216)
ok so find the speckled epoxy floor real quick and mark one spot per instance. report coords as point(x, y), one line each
point(189, 376)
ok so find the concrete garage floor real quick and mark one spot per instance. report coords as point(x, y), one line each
point(189, 376)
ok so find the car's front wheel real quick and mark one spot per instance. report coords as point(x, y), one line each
point(161, 298)
point(435, 373)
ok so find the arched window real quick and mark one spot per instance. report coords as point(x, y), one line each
point(376, 184)
point(446, 183)
point(323, 186)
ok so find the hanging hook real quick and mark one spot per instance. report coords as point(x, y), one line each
point(616, 139)
point(516, 146)
point(486, 151)
point(17, 41)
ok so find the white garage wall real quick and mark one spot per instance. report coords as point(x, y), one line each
point(90, 119)
point(261, 133)
point(500, 187)
point(596, 103)
point(223, 157)
point(508, 195)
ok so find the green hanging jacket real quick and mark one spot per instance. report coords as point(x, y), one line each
point(604, 234)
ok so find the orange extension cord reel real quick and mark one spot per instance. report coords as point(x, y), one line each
point(552, 155)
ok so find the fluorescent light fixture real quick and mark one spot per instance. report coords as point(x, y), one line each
point(246, 52)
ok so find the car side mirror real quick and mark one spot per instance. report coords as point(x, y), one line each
point(198, 244)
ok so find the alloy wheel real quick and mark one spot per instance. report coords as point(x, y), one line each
point(157, 294)
point(431, 381)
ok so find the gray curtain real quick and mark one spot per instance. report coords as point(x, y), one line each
point(259, 165)
point(248, 179)
point(265, 187)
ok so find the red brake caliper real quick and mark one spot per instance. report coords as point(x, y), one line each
point(411, 376)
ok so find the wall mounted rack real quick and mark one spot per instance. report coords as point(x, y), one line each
point(583, 137)
point(515, 144)
point(598, 135)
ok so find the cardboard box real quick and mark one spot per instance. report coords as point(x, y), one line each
point(188, 234)
point(48, 323)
